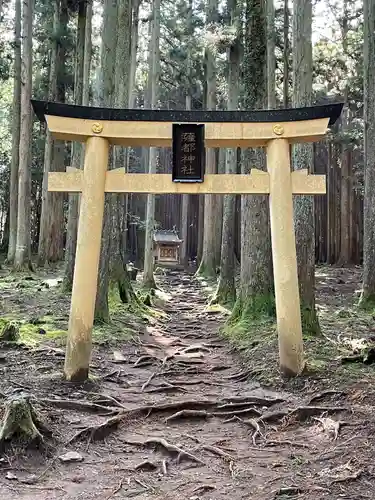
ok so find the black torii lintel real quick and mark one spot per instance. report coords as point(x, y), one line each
point(331, 111)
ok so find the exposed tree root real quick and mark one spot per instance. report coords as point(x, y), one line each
point(204, 414)
point(216, 451)
point(166, 387)
point(285, 442)
point(146, 465)
point(197, 382)
point(146, 360)
point(69, 404)
point(164, 467)
point(236, 405)
point(244, 411)
point(170, 448)
point(99, 431)
point(304, 412)
point(188, 414)
point(288, 491)
point(321, 395)
point(330, 426)
point(105, 399)
point(148, 381)
point(241, 376)
point(193, 348)
point(250, 423)
point(274, 416)
point(253, 400)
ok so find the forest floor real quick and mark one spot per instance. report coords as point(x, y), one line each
point(176, 410)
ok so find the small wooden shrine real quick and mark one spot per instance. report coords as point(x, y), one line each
point(166, 247)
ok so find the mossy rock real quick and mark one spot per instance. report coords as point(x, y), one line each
point(10, 332)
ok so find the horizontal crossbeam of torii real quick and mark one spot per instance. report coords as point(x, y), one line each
point(99, 128)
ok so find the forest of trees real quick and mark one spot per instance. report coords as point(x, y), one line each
point(187, 54)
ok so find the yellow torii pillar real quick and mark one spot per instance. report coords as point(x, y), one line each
point(99, 128)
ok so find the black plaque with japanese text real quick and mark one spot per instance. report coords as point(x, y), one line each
point(188, 153)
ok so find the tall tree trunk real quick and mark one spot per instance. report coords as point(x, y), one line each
point(134, 52)
point(207, 266)
point(86, 58)
point(255, 297)
point(83, 59)
point(106, 99)
point(49, 144)
point(56, 220)
point(368, 292)
point(345, 243)
point(226, 290)
point(22, 254)
point(122, 81)
point(16, 117)
point(303, 156)
point(154, 76)
point(271, 56)
point(286, 54)
point(185, 197)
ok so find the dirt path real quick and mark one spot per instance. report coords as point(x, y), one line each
point(235, 440)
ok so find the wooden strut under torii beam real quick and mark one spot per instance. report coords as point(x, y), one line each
point(99, 128)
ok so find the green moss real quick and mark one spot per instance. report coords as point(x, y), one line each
point(367, 302)
point(217, 308)
point(136, 309)
point(253, 308)
point(33, 335)
point(111, 334)
point(310, 322)
point(225, 294)
point(250, 318)
point(206, 270)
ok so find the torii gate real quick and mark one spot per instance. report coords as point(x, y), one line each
point(100, 127)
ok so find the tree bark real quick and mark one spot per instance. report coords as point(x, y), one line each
point(56, 219)
point(185, 197)
point(286, 51)
point(345, 242)
point(83, 59)
point(368, 287)
point(22, 255)
point(255, 298)
point(208, 263)
point(271, 56)
point(49, 143)
point(119, 271)
point(106, 95)
point(226, 290)
point(16, 124)
point(154, 76)
point(134, 52)
point(303, 156)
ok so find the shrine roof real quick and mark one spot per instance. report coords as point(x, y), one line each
point(166, 236)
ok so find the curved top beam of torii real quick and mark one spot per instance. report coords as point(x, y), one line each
point(153, 128)
point(331, 111)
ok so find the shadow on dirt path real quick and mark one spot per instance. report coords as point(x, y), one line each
point(175, 414)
